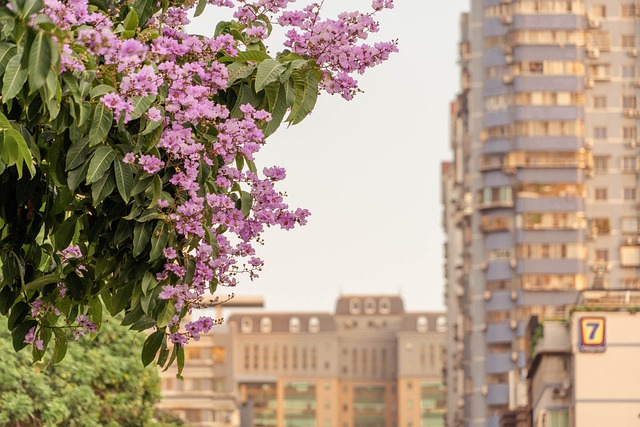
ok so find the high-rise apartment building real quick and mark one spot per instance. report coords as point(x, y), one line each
point(541, 198)
point(369, 364)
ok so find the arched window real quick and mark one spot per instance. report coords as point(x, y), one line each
point(354, 306)
point(294, 325)
point(369, 306)
point(314, 325)
point(246, 325)
point(384, 306)
point(441, 324)
point(265, 325)
point(422, 324)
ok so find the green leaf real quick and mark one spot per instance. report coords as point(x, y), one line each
point(14, 78)
point(200, 8)
point(60, 349)
point(77, 153)
point(140, 105)
point(306, 97)
point(100, 124)
point(41, 60)
point(277, 112)
point(76, 176)
point(7, 51)
point(19, 333)
point(130, 24)
point(18, 314)
point(42, 281)
point(246, 201)
point(238, 71)
point(95, 309)
point(64, 233)
point(151, 346)
point(124, 178)
point(15, 151)
point(149, 282)
point(101, 90)
point(268, 71)
point(144, 9)
point(141, 236)
point(167, 313)
point(102, 188)
point(249, 56)
point(30, 7)
point(100, 163)
point(159, 240)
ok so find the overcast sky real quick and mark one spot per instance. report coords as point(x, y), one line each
point(368, 170)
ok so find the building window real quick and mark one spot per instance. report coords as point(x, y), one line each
point(265, 325)
point(602, 255)
point(600, 132)
point(600, 102)
point(629, 101)
point(601, 164)
point(598, 11)
point(600, 225)
point(601, 194)
point(628, 41)
point(384, 306)
point(630, 226)
point(629, 163)
point(628, 71)
point(629, 194)
point(600, 71)
point(314, 325)
point(628, 10)
point(441, 324)
point(422, 324)
point(629, 132)
point(369, 306)
point(294, 325)
point(354, 306)
point(246, 324)
point(630, 256)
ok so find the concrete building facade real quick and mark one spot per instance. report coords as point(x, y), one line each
point(540, 200)
point(584, 371)
point(369, 364)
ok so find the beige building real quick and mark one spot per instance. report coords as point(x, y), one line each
point(585, 372)
point(368, 364)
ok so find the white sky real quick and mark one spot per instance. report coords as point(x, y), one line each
point(368, 170)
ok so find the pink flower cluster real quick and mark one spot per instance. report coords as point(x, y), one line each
point(216, 224)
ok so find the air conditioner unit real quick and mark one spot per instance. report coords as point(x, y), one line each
point(593, 52)
point(636, 240)
point(508, 59)
point(629, 240)
point(636, 83)
point(593, 23)
point(632, 144)
point(560, 392)
point(485, 390)
point(588, 142)
point(507, 49)
point(513, 262)
point(630, 113)
point(632, 52)
point(589, 83)
point(513, 324)
point(507, 19)
point(484, 266)
point(514, 356)
point(487, 295)
point(514, 295)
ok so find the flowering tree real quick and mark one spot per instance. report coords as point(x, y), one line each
point(127, 155)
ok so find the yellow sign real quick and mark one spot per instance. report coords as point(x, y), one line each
point(592, 335)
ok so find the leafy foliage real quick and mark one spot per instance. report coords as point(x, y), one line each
point(127, 177)
point(101, 383)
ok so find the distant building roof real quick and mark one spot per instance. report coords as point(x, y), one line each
point(369, 305)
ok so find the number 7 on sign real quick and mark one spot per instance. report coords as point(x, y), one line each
point(592, 331)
